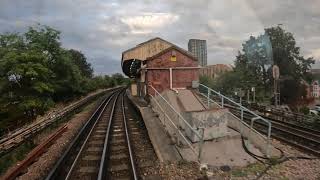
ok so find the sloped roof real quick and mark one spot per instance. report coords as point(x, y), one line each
point(174, 47)
point(153, 39)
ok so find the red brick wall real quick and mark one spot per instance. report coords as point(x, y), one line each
point(181, 78)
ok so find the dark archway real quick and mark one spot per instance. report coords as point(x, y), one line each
point(131, 67)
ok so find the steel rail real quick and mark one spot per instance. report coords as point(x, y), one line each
point(102, 169)
point(292, 142)
point(135, 177)
point(86, 140)
point(271, 117)
point(287, 128)
point(33, 155)
point(62, 161)
point(278, 134)
point(282, 127)
point(9, 142)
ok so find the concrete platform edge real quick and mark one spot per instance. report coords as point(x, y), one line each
point(171, 156)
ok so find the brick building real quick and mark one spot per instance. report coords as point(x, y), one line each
point(172, 68)
point(160, 63)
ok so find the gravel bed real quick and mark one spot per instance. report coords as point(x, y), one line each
point(292, 167)
point(40, 168)
point(180, 170)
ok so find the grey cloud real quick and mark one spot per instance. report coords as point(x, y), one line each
point(98, 29)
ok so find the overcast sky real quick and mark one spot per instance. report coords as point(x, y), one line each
point(103, 29)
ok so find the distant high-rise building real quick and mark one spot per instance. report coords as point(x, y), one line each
point(199, 49)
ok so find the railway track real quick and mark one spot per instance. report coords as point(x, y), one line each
point(300, 137)
point(17, 137)
point(303, 138)
point(109, 146)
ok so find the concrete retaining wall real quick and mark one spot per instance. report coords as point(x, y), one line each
point(213, 121)
point(254, 137)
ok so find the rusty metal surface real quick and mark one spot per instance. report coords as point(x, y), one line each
point(34, 154)
point(14, 139)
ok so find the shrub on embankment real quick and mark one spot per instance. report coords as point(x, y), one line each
point(36, 72)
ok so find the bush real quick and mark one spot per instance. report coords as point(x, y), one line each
point(305, 110)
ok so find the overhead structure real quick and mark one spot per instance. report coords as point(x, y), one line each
point(131, 68)
point(133, 58)
point(143, 62)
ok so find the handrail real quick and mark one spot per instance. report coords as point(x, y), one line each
point(175, 111)
point(229, 99)
point(242, 109)
point(269, 130)
point(257, 132)
point(175, 126)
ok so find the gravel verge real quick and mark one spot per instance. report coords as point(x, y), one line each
point(293, 166)
point(40, 168)
point(180, 170)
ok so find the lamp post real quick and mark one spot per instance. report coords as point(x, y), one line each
point(275, 75)
point(253, 89)
point(240, 93)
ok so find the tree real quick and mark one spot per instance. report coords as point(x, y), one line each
point(258, 53)
point(287, 55)
point(119, 79)
point(46, 40)
point(293, 66)
point(25, 81)
point(81, 61)
point(69, 67)
point(36, 71)
point(253, 66)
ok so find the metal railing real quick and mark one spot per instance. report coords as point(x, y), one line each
point(210, 93)
point(157, 97)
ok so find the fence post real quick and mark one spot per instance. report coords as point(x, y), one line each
point(164, 119)
point(222, 101)
point(201, 143)
point(208, 98)
point(268, 141)
point(241, 113)
point(241, 128)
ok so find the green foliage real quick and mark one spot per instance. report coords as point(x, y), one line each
point(293, 66)
point(14, 156)
point(36, 71)
point(119, 79)
point(253, 67)
point(305, 110)
point(81, 61)
point(251, 169)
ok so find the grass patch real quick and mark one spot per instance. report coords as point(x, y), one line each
point(16, 155)
point(250, 169)
point(21, 151)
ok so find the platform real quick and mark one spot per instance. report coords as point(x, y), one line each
point(161, 141)
point(224, 151)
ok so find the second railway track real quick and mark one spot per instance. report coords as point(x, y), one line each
point(300, 137)
point(294, 135)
